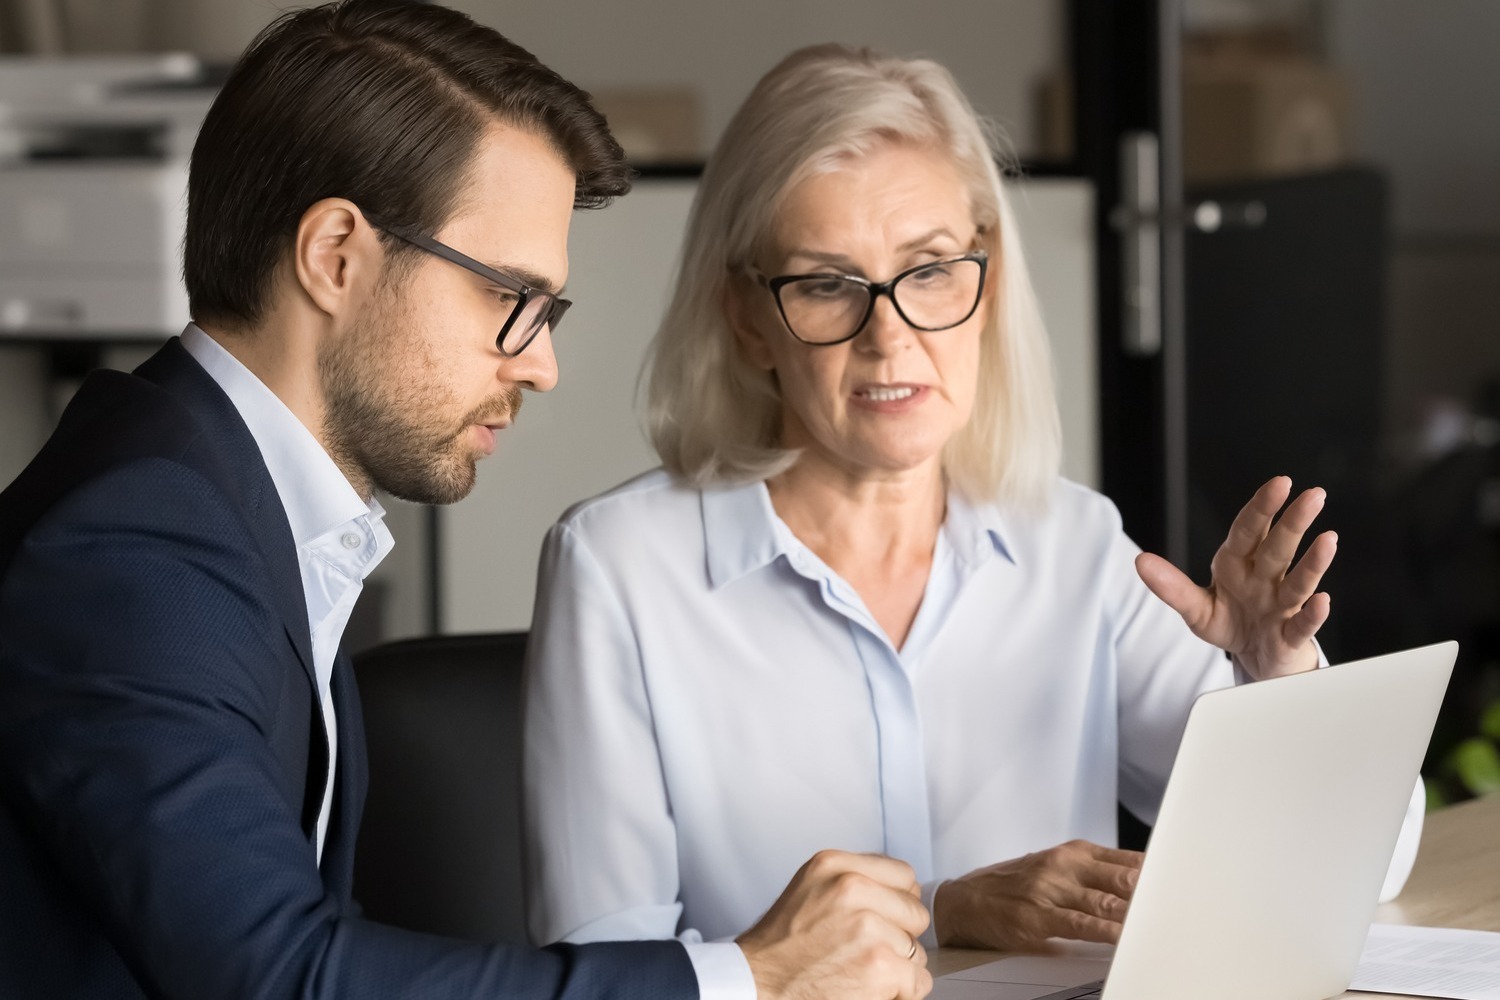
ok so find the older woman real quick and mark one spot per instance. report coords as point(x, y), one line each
point(857, 607)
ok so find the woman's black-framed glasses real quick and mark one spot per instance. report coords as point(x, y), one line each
point(826, 309)
point(531, 309)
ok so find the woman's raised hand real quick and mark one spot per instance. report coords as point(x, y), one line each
point(1258, 607)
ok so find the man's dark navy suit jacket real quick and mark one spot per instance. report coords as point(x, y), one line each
point(162, 754)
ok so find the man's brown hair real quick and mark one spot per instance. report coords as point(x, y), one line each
point(382, 102)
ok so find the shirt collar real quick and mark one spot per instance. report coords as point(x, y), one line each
point(739, 531)
point(742, 532)
point(977, 531)
point(317, 497)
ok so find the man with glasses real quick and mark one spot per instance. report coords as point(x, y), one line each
point(378, 212)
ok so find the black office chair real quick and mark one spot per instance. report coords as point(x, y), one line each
point(440, 847)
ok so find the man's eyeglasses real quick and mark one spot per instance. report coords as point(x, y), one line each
point(825, 309)
point(530, 309)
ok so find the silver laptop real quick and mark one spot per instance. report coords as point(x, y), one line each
point(1274, 836)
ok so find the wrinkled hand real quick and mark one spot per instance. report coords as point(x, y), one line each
point(1258, 607)
point(846, 927)
point(1076, 890)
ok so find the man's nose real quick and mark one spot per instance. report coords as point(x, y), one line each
point(536, 366)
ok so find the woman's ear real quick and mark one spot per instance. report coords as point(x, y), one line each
point(335, 255)
point(740, 312)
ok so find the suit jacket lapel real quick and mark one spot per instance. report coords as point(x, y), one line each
point(246, 476)
point(175, 370)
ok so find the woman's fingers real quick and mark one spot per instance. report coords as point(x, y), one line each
point(1076, 890)
point(1259, 606)
point(1083, 926)
point(1273, 557)
point(1086, 915)
point(1301, 627)
point(1303, 579)
point(1173, 587)
point(1095, 890)
point(1115, 855)
point(1117, 880)
point(1253, 522)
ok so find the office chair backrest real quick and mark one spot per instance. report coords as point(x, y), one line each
point(440, 847)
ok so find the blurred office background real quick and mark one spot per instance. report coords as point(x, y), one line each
point(1266, 234)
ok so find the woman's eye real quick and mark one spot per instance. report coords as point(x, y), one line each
point(832, 288)
point(934, 275)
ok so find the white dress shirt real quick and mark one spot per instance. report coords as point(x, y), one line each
point(709, 705)
point(340, 539)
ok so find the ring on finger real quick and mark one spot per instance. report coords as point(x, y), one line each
point(912, 953)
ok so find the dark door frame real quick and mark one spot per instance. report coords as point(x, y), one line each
point(1125, 64)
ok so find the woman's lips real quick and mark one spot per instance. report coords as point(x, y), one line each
point(889, 397)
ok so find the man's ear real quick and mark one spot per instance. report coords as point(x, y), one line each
point(740, 312)
point(336, 255)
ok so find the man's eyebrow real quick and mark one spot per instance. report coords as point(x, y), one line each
point(526, 276)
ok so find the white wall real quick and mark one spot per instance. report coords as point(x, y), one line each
point(1056, 218)
point(996, 48)
point(582, 437)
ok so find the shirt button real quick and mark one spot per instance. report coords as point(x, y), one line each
point(351, 541)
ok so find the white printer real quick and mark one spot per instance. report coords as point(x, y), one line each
point(93, 192)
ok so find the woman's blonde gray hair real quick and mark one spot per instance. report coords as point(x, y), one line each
point(714, 418)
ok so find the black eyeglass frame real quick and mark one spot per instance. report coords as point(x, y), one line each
point(874, 290)
point(525, 293)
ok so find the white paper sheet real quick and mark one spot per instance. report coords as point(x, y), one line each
point(1430, 962)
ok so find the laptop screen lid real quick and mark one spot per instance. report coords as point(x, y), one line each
point(1276, 830)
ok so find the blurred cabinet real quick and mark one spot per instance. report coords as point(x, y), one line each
point(1285, 368)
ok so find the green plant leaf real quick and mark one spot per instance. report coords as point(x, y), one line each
point(1477, 763)
point(1489, 722)
point(1435, 797)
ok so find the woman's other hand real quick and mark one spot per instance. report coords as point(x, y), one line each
point(1258, 607)
point(1076, 890)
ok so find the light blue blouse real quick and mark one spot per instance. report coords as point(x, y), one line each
point(709, 704)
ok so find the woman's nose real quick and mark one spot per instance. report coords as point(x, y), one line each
point(885, 331)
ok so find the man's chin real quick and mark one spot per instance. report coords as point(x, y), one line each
point(435, 490)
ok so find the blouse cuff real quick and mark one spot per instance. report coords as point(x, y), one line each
point(1242, 676)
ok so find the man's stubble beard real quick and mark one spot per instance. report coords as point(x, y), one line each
point(383, 424)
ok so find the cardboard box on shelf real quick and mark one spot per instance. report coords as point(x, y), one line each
point(1254, 104)
point(654, 125)
point(1258, 117)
